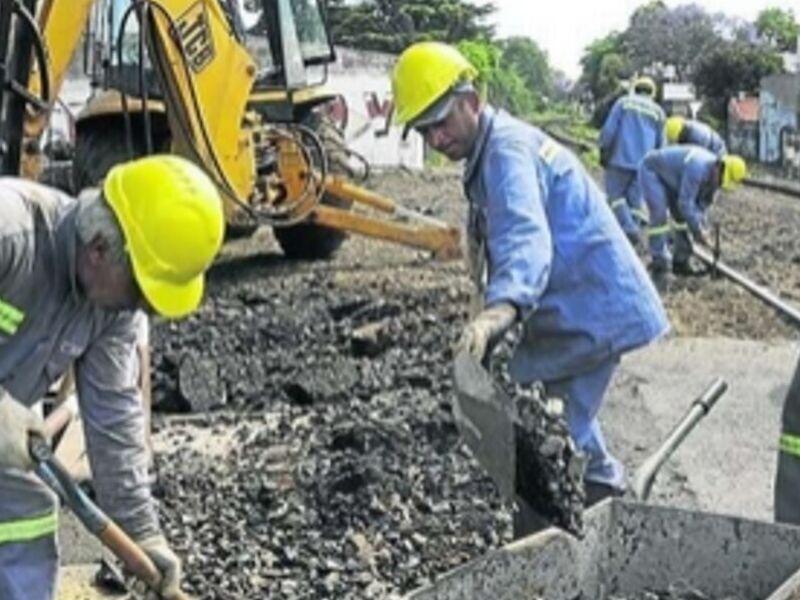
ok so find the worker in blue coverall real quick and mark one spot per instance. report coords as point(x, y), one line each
point(634, 126)
point(556, 258)
point(679, 184)
point(687, 131)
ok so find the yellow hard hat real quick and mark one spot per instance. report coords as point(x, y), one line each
point(422, 75)
point(171, 217)
point(734, 170)
point(673, 129)
point(645, 84)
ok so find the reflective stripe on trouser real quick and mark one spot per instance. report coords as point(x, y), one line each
point(10, 317)
point(23, 530)
point(584, 395)
point(787, 476)
point(625, 198)
point(28, 570)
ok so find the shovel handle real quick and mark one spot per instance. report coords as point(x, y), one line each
point(58, 420)
point(93, 518)
point(134, 558)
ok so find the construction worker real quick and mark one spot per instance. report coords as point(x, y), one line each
point(687, 131)
point(72, 275)
point(787, 476)
point(633, 127)
point(556, 259)
point(679, 184)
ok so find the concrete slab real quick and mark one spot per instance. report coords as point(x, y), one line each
point(727, 464)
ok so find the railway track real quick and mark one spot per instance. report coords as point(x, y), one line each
point(786, 187)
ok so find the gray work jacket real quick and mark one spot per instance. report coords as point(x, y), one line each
point(46, 323)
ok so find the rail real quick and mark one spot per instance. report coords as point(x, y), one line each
point(758, 291)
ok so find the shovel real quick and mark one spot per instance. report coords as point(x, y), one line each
point(55, 476)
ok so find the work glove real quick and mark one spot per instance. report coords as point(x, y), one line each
point(17, 423)
point(490, 324)
point(157, 548)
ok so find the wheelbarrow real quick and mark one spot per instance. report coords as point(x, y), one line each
point(628, 549)
point(632, 550)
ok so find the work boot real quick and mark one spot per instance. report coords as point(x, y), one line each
point(597, 492)
point(688, 268)
point(661, 276)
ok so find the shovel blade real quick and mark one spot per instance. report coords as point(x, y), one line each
point(485, 416)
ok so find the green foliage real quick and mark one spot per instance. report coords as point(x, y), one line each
point(505, 81)
point(523, 56)
point(605, 61)
point(392, 25)
point(733, 67)
point(513, 74)
point(779, 28)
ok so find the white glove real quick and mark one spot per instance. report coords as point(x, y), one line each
point(157, 548)
point(486, 327)
point(17, 422)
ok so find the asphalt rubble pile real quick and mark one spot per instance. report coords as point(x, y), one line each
point(348, 479)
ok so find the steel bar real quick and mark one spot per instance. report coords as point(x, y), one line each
point(774, 186)
point(759, 291)
point(646, 474)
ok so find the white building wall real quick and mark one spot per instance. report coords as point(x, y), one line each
point(364, 79)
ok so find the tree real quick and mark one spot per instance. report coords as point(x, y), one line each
point(392, 25)
point(733, 67)
point(779, 28)
point(679, 36)
point(523, 56)
point(604, 62)
point(502, 86)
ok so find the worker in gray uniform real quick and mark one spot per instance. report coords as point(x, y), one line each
point(73, 273)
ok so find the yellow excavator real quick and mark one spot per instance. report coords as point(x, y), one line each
point(235, 85)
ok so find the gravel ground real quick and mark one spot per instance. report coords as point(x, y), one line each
point(321, 460)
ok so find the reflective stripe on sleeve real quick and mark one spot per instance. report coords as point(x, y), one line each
point(10, 318)
point(789, 444)
point(24, 530)
point(548, 151)
point(618, 202)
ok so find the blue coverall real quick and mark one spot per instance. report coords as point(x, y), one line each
point(555, 251)
point(678, 182)
point(700, 134)
point(634, 126)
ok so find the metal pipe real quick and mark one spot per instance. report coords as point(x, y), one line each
point(759, 291)
point(646, 474)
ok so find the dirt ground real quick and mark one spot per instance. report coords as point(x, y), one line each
point(308, 463)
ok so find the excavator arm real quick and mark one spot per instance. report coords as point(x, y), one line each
point(208, 65)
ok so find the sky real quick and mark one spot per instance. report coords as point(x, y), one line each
point(564, 28)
